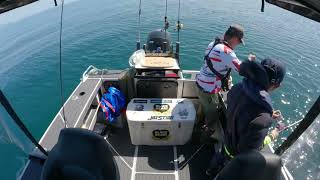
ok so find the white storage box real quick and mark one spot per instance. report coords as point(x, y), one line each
point(154, 121)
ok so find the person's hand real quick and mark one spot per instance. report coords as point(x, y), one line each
point(276, 115)
point(252, 57)
point(230, 84)
point(280, 126)
point(274, 133)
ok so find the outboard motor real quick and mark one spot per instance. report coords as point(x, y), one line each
point(252, 165)
point(80, 154)
point(158, 41)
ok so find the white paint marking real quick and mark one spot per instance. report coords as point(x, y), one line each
point(284, 170)
point(118, 153)
point(93, 92)
point(193, 155)
point(156, 173)
point(133, 171)
point(175, 162)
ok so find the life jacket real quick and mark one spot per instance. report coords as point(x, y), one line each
point(224, 78)
point(112, 103)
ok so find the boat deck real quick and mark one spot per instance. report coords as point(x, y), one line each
point(75, 110)
point(187, 162)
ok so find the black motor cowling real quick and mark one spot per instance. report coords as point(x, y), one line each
point(158, 41)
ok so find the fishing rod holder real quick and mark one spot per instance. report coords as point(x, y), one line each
point(177, 50)
point(138, 45)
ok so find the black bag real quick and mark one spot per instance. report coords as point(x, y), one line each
point(224, 78)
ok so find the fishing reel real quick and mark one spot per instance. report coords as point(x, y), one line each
point(179, 26)
point(166, 23)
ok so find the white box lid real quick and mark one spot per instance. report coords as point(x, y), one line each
point(160, 109)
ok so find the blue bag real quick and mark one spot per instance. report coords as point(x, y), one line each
point(112, 103)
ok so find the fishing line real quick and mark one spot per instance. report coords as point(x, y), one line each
point(60, 66)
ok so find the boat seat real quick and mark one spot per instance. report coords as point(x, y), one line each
point(251, 166)
point(80, 154)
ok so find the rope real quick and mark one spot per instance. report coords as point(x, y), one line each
point(60, 66)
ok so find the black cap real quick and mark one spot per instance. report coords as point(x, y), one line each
point(276, 70)
point(236, 31)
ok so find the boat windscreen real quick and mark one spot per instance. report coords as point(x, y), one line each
point(302, 158)
point(306, 8)
point(15, 146)
point(11, 136)
point(7, 5)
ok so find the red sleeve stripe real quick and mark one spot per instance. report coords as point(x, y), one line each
point(215, 90)
point(206, 82)
point(216, 59)
point(236, 64)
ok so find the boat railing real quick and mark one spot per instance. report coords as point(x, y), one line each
point(85, 73)
point(189, 75)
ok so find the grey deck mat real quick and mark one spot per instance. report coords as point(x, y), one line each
point(121, 142)
point(159, 159)
point(124, 170)
point(155, 159)
point(155, 177)
point(196, 167)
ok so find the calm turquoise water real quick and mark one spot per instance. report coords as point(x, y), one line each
point(103, 33)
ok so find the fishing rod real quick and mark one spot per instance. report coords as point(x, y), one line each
point(166, 22)
point(166, 25)
point(139, 19)
point(309, 118)
point(179, 23)
point(290, 125)
point(178, 27)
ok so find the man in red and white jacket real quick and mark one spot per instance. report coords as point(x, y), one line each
point(223, 59)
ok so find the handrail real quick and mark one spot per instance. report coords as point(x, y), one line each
point(84, 75)
point(193, 74)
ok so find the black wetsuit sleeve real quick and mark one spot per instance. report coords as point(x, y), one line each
point(255, 133)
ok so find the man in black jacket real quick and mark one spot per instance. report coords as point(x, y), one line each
point(249, 110)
